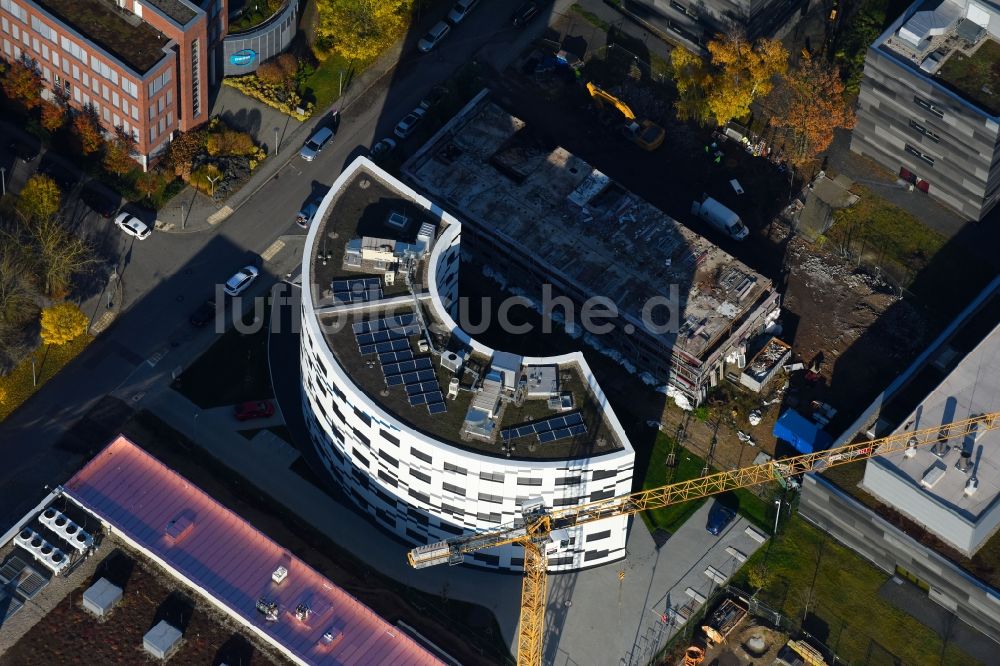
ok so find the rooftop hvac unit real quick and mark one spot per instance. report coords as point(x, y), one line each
point(268, 609)
point(971, 486)
point(42, 550)
point(964, 463)
point(279, 575)
point(911, 447)
point(451, 361)
point(59, 522)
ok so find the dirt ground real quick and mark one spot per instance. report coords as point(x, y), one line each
point(734, 651)
point(70, 635)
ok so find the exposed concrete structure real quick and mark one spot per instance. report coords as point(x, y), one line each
point(683, 308)
point(890, 549)
point(951, 491)
point(927, 108)
point(698, 21)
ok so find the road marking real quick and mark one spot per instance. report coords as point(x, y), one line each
point(219, 215)
point(273, 249)
point(102, 323)
point(155, 358)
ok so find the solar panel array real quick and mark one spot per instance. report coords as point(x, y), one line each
point(360, 290)
point(549, 430)
point(387, 322)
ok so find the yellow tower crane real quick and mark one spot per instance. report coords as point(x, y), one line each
point(537, 523)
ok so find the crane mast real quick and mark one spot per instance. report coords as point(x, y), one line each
point(537, 525)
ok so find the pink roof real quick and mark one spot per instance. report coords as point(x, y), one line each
point(232, 561)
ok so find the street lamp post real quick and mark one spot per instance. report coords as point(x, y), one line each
point(777, 514)
point(277, 144)
point(212, 180)
point(3, 179)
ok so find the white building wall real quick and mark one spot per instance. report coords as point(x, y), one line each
point(426, 490)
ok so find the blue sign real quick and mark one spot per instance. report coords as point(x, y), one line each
point(243, 58)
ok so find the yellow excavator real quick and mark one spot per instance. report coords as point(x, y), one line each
point(537, 522)
point(644, 133)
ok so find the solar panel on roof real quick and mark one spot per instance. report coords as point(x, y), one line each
point(360, 327)
point(546, 437)
point(541, 426)
point(368, 349)
point(421, 387)
point(574, 418)
point(578, 429)
point(394, 357)
point(418, 399)
point(562, 433)
point(394, 380)
point(437, 408)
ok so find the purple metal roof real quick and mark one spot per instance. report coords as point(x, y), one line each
point(232, 561)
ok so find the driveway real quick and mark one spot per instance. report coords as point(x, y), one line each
point(268, 126)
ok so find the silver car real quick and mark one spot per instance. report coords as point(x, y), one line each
point(133, 226)
point(243, 279)
point(405, 127)
point(461, 9)
point(433, 36)
point(315, 144)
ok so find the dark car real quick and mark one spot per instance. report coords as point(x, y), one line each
point(524, 13)
point(256, 409)
point(433, 97)
point(204, 314)
point(719, 517)
point(25, 151)
point(99, 202)
point(64, 178)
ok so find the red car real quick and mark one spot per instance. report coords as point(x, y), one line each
point(255, 409)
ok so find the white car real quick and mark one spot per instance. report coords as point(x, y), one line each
point(461, 10)
point(438, 32)
point(133, 226)
point(406, 126)
point(243, 279)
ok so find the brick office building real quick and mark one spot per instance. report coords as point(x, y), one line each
point(143, 65)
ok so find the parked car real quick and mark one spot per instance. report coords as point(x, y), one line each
point(433, 97)
point(315, 144)
point(98, 202)
point(305, 216)
point(433, 37)
point(523, 14)
point(255, 409)
point(383, 147)
point(26, 151)
point(204, 314)
point(242, 279)
point(406, 126)
point(133, 226)
point(460, 10)
point(719, 517)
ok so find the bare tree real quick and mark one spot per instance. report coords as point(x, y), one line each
point(59, 255)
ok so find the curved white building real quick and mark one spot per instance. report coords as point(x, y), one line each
point(503, 429)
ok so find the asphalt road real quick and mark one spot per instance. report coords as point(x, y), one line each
point(168, 275)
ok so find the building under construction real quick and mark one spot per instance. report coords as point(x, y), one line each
point(684, 308)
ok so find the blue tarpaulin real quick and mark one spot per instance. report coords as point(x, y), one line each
point(800, 432)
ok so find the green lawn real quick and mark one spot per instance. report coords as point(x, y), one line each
point(688, 467)
point(845, 610)
point(886, 234)
point(322, 87)
point(976, 77)
point(233, 370)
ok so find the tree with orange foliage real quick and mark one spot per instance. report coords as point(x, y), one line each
point(810, 105)
point(117, 153)
point(183, 150)
point(148, 183)
point(736, 73)
point(53, 116)
point(23, 84)
point(87, 131)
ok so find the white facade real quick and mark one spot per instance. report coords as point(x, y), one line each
point(424, 489)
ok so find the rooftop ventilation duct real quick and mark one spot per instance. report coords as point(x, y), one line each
point(43, 551)
point(971, 486)
point(72, 533)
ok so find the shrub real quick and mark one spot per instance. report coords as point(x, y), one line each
point(270, 73)
point(230, 142)
point(200, 178)
point(277, 97)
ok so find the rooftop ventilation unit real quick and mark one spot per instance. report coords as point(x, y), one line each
point(43, 551)
point(964, 463)
point(933, 476)
point(331, 637)
point(268, 609)
point(60, 523)
point(971, 486)
point(397, 221)
point(911, 447)
point(279, 575)
point(451, 361)
point(302, 612)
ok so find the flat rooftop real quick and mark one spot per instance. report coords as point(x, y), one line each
point(360, 208)
point(229, 560)
point(941, 40)
point(122, 34)
point(179, 11)
point(972, 388)
point(583, 227)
